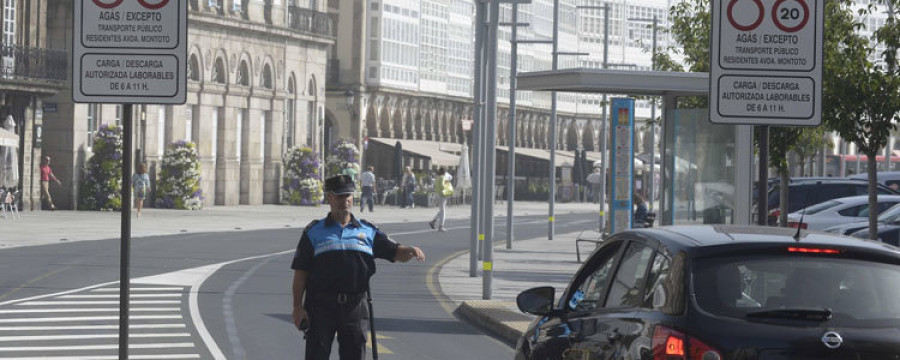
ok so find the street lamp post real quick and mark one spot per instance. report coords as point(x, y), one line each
point(651, 186)
point(350, 96)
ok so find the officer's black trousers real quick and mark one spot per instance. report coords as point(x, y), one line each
point(327, 316)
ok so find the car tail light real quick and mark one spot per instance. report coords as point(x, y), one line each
point(794, 224)
point(669, 344)
point(809, 250)
point(775, 212)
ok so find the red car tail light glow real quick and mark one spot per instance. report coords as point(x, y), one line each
point(794, 224)
point(807, 250)
point(670, 344)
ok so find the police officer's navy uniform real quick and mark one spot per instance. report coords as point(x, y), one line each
point(340, 261)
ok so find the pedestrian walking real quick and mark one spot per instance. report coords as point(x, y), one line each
point(409, 187)
point(367, 181)
point(46, 175)
point(140, 183)
point(640, 212)
point(443, 189)
point(594, 179)
point(332, 266)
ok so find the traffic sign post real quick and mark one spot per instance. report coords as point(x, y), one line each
point(130, 51)
point(766, 62)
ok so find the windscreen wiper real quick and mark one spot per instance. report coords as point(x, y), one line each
point(795, 314)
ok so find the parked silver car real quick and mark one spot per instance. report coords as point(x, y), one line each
point(839, 211)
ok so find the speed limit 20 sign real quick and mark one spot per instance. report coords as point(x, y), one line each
point(130, 51)
point(766, 62)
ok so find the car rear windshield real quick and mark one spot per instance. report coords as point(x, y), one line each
point(852, 290)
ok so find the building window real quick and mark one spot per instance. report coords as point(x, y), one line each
point(239, 135)
point(161, 131)
point(118, 114)
point(91, 124)
point(288, 140)
point(243, 75)
point(266, 81)
point(218, 74)
point(9, 22)
point(193, 68)
point(189, 122)
point(310, 121)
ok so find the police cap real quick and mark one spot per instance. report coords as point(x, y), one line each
point(340, 185)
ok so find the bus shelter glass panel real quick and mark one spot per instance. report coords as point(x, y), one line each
point(699, 169)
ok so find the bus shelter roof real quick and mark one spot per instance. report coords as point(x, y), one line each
point(658, 83)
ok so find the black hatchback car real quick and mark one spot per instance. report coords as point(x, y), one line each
point(722, 293)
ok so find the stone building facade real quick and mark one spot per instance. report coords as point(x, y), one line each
point(31, 69)
point(256, 73)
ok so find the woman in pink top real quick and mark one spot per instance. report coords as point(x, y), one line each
point(46, 175)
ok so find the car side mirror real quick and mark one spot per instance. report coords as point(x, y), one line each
point(536, 301)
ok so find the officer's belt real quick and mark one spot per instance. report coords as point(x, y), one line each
point(337, 297)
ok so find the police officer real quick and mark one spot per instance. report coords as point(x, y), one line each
point(332, 265)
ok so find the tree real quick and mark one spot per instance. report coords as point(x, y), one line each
point(862, 97)
point(808, 144)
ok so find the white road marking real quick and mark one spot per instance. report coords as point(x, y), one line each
point(116, 296)
point(133, 289)
point(99, 302)
point(89, 336)
point(90, 327)
point(111, 357)
point(98, 347)
point(83, 310)
point(88, 318)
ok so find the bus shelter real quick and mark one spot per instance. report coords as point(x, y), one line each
point(707, 168)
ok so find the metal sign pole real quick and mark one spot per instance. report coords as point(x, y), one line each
point(476, 141)
point(125, 247)
point(490, 171)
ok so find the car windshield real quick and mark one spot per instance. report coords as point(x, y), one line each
point(817, 208)
point(798, 287)
point(890, 215)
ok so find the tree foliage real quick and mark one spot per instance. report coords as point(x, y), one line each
point(861, 97)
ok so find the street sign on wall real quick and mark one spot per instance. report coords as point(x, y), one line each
point(766, 62)
point(130, 51)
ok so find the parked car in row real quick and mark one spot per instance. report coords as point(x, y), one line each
point(839, 211)
point(721, 293)
point(886, 178)
point(891, 216)
point(803, 193)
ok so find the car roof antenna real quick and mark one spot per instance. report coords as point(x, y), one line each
point(802, 213)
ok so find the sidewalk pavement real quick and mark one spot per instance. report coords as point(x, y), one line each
point(531, 262)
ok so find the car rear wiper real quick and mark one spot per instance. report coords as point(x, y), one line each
point(797, 314)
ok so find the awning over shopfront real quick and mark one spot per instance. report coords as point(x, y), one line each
point(441, 153)
point(8, 138)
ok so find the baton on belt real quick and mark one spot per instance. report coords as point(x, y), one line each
point(372, 325)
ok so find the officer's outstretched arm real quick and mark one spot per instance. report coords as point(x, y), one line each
point(407, 253)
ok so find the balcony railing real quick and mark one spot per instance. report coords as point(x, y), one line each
point(33, 63)
point(308, 21)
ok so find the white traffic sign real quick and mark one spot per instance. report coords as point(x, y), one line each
point(766, 62)
point(130, 51)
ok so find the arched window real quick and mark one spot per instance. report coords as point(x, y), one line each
point(266, 81)
point(218, 74)
point(289, 115)
point(243, 75)
point(193, 68)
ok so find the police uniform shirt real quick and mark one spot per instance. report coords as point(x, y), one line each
point(341, 259)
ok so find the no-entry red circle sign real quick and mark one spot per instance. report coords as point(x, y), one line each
point(107, 4)
point(150, 5)
point(761, 13)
